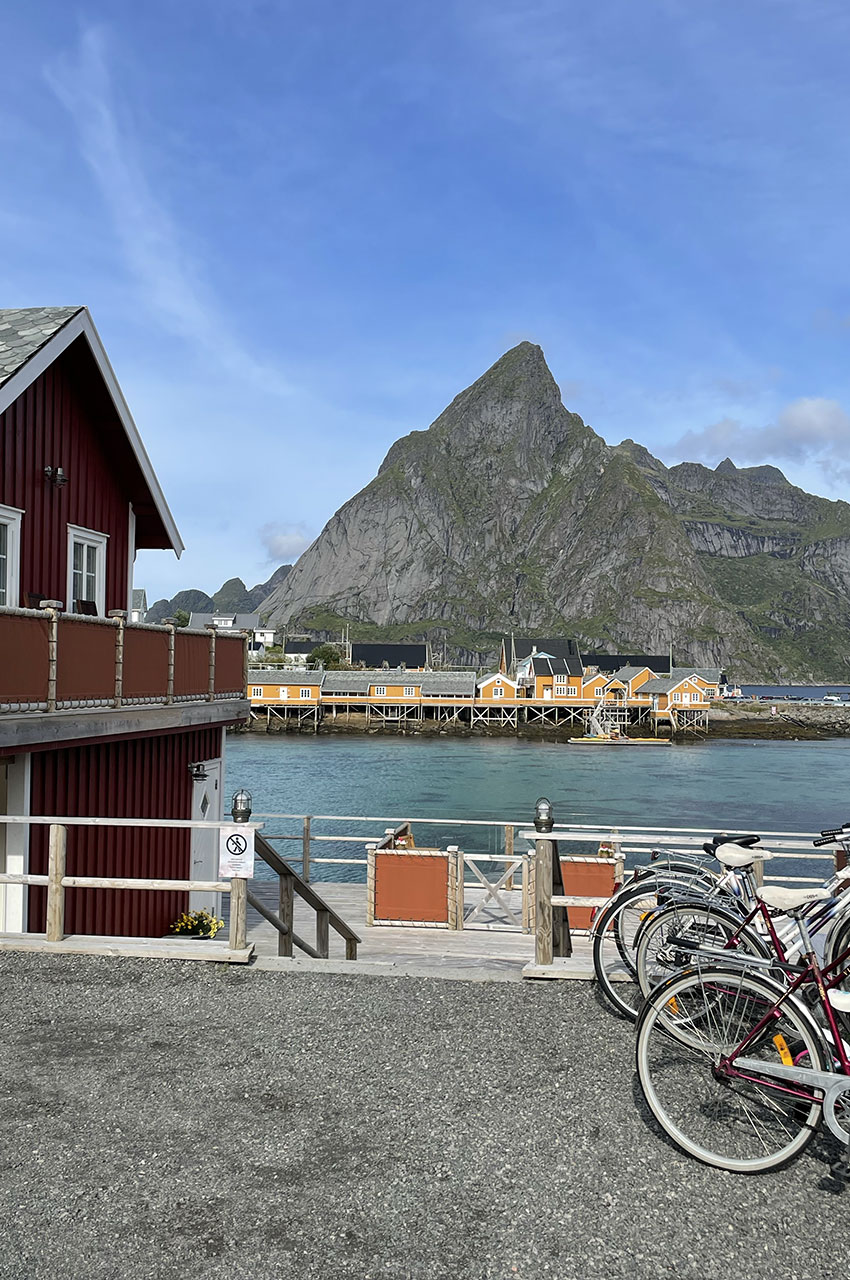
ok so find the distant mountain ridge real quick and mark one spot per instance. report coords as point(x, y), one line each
point(509, 513)
point(232, 597)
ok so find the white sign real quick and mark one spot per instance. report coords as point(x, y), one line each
point(236, 853)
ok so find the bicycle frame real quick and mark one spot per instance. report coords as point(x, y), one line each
point(808, 1081)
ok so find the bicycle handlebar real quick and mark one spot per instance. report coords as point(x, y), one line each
point(832, 832)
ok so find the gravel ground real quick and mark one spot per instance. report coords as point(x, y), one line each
point(168, 1119)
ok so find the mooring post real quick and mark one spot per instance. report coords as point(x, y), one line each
point(543, 950)
point(55, 889)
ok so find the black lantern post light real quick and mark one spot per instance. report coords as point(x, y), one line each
point(544, 819)
point(241, 805)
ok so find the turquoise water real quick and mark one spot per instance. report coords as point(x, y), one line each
point(715, 786)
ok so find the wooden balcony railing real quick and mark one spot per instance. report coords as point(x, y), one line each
point(53, 661)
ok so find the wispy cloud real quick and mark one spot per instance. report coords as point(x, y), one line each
point(284, 542)
point(809, 430)
point(167, 274)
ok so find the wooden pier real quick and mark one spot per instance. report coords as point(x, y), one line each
point(486, 951)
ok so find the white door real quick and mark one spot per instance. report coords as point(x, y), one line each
point(206, 807)
point(14, 842)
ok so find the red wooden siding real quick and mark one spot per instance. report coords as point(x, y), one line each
point(64, 418)
point(140, 778)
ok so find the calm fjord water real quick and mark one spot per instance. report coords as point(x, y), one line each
point(716, 786)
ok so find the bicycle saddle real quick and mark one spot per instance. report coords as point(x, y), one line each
point(746, 842)
point(741, 857)
point(782, 899)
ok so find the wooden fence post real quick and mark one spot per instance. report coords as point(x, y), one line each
point(169, 687)
point(238, 914)
point(119, 616)
point(53, 608)
point(211, 689)
point(55, 890)
point(509, 853)
point(286, 912)
point(323, 919)
point(543, 916)
point(370, 884)
point(305, 851)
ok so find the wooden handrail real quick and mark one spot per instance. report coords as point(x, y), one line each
point(283, 929)
point(325, 915)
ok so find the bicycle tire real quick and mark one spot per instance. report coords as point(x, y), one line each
point(838, 941)
point(613, 930)
point(700, 923)
point(741, 1125)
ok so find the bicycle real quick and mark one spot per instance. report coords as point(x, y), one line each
point(616, 929)
point(659, 949)
point(734, 1066)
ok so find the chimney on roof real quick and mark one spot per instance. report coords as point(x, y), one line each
point(533, 649)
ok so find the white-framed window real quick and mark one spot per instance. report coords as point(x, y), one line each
point(86, 567)
point(306, 691)
point(257, 691)
point(380, 690)
point(498, 691)
point(677, 697)
point(10, 556)
point(561, 679)
point(409, 691)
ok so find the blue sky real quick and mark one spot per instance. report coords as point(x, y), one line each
point(301, 229)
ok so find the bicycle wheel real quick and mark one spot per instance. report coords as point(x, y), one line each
point(837, 942)
point(665, 942)
point(613, 945)
point(617, 929)
point(687, 1028)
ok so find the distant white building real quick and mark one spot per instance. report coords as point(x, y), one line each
point(260, 636)
point(139, 609)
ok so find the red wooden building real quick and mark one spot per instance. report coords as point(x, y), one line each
point(98, 716)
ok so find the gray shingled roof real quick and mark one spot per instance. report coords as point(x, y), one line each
point(625, 674)
point(25, 330)
point(663, 684)
point(428, 682)
point(452, 682)
point(713, 674)
point(360, 681)
point(278, 675)
point(349, 681)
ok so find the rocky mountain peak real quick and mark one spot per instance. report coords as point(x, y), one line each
point(510, 514)
point(513, 410)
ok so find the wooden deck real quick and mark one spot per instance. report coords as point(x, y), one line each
point(492, 951)
point(170, 948)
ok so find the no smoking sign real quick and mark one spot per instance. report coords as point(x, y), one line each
point(236, 853)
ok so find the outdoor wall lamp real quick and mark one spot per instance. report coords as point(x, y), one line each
point(56, 476)
point(241, 805)
point(198, 772)
point(543, 816)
